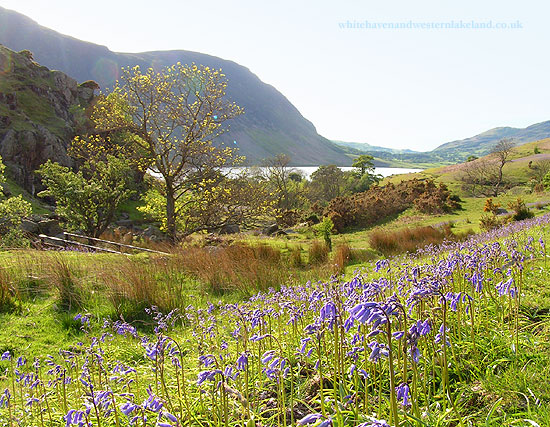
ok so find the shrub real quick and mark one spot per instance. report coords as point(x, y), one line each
point(318, 253)
point(491, 207)
point(289, 218)
point(489, 222)
point(378, 203)
point(521, 211)
point(324, 229)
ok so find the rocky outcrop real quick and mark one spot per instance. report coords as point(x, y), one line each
point(40, 113)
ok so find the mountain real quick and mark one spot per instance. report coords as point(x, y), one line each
point(455, 151)
point(482, 144)
point(40, 112)
point(363, 146)
point(270, 125)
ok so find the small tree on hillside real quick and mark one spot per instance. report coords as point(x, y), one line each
point(88, 198)
point(327, 183)
point(485, 176)
point(282, 180)
point(501, 151)
point(174, 116)
point(12, 210)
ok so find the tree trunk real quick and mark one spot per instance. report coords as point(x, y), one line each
point(170, 212)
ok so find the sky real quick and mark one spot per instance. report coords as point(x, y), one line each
point(414, 87)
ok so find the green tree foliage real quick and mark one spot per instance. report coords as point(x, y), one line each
point(174, 115)
point(88, 198)
point(363, 164)
point(327, 183)
point(12, 210)
point(324, 229)
point(241, 200)
point(284, 183)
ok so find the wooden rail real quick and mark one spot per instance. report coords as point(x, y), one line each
point(68, 242)
point(64, 243)
point(117, 244)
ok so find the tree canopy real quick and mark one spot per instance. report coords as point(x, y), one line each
point(175, 116)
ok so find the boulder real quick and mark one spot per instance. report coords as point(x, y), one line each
point(127, 223)
point(49, 227)
point(229, 229)
point(29, 226)
point(152, 231)
point(270, 229)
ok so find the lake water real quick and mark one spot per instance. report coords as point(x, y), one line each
point(308, 170)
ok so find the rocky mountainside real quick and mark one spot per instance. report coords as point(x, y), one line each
point(40, 112)
point(270, 125)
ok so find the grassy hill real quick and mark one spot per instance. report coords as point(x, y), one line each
point(455, 151)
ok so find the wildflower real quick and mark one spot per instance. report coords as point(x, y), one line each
point(309, 419)
point(5, 399)
point(402, 391)
point(6, 356)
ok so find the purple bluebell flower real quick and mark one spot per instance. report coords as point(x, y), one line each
point(309, 419)
point(402, 391)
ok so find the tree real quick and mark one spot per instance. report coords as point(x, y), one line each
point(88, 198)
point(327, 182)
point(283, 181)
point(363, 164)
point(485, 176)
point(501, 151)
point(174, 115)
point(240, 200)
point(12, 210)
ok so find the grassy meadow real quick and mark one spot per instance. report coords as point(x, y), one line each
point(421, 320)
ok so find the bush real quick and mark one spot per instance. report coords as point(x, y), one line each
point(521, 211)
point(318, 253)
point(289, 218)
point(489, 222)
point(378, 203)
point(324, 229)
point(491, 207)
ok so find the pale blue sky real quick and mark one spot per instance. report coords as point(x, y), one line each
point(407, 88)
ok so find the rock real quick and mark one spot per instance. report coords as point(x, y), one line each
point(42, 127)
point(501, 211)
point(127, 223)
point(29, 226)
point(270, 229)
point(230, 229)
point(49, 227)
point(152, 231)
point(280, 233)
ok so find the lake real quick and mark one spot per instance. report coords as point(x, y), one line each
point(308, 170)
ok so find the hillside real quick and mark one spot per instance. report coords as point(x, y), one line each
point(270, 125)
point(454, 151)
point(40, 112)
point(482, 144)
